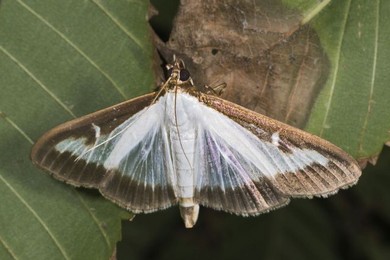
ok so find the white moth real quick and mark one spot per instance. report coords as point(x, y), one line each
point(181, 146)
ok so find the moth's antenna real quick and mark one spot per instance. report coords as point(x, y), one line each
point(163, 87)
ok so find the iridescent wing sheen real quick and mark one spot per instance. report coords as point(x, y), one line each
point(122, 150)
point(248, 163)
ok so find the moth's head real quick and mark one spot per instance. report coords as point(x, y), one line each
point(178, 75)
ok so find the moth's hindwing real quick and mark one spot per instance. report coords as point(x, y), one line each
point(68, 153)
point(294, 162)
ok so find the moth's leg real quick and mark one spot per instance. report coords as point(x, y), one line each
point(215, 90)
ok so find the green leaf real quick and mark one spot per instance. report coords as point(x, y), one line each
point(353, 109)
point(308, 8)
point(60, 60)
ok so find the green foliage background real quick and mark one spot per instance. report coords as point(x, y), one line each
point(64, 59)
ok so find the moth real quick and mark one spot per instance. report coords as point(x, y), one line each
point(181, 146)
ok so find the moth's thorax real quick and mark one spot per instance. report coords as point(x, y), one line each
point(178, 110)
point(180, 87)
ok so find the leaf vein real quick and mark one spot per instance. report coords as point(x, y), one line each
point(117, 23)
point(14, 125)
point(75, 47)
point(8, 248)
point(372, 83)
point(35, 214)
point(31, 75)
point(336, 70)
point(313, 12)
point(95, 219)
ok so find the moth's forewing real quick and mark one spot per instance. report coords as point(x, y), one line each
point(312, 179)
point(67, 167)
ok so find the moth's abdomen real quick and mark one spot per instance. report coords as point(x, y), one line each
point(182, 136)
point(183, 147)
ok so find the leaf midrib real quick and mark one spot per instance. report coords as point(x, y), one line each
point(336, 69)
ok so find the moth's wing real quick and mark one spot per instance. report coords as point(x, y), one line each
point(225, 179)
point(289, 161)
point(121, 150)
point(227, 172)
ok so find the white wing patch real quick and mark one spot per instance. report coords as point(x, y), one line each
point(137, 130)
point(266, 158)
point(97, 130)
point(275, 139)
point(111, 149)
